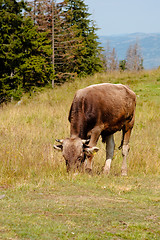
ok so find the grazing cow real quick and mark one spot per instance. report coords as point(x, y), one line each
point(100, 109)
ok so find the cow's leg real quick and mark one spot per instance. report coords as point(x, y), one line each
point(93, 141)
point(109, 153)
point(125, 151)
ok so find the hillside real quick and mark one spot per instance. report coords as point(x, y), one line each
point(149, 43)
point(28, 130)
point(39, 200)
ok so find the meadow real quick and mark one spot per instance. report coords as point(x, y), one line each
point(39, 200)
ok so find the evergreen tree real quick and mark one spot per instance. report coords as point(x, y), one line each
point(25, 55)
point(76, 47)
point(10, 46)
point(36, 68)
point(88, 55)
point(122, 65)
point(66, 43)
point(54, 19)
point(26, 44)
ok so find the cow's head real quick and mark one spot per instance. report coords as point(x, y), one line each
point(74, 151)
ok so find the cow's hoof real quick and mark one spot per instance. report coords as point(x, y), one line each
point(75, 174)
point(106, 171)
point(124, 173)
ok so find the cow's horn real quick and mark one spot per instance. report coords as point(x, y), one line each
point(59, 140)
point(58, 147)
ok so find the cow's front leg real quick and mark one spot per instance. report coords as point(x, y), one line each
point(109, 153)
point(95, 133)
point(125, 151)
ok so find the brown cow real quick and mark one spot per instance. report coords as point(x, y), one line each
point(100, 109)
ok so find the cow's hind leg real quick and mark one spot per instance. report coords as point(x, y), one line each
point(125, 151)
point(109, 153)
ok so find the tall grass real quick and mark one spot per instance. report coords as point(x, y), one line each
point(28, 130)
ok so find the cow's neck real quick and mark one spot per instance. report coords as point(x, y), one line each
point(78, 130)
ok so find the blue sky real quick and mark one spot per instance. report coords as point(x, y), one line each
point(125, 16)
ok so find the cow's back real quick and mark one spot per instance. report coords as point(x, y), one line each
point(108, 104)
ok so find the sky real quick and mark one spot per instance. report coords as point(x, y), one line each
point(115, 17)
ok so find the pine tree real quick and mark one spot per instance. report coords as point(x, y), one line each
point(55, 20)
point(66, 43)
point(24, 53)
point(11, 55)
point(122, 65)
point(76, 47)
point(88, 55)
point(36, 68)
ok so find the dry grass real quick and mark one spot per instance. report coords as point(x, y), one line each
point(28, 130)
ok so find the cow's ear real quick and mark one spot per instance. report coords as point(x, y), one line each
point(58, 147)
point(89, 151)
point(85, 142)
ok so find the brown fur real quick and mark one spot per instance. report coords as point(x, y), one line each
point(109, 106)
point(101, 109)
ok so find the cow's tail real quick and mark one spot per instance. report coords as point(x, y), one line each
point(121, 145)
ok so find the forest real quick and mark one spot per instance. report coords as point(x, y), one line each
point(43, 43)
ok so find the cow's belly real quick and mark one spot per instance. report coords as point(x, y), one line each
point(105, 130)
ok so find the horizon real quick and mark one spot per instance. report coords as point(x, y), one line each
point(134, 33)
point(148, 42)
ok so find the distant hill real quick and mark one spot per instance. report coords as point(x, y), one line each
point(149, 44)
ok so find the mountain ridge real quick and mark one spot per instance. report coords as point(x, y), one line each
point(149, 45)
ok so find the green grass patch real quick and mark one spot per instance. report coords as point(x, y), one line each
point(39, 200)
point(82, 207)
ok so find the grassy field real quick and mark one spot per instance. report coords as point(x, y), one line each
point(39, 200)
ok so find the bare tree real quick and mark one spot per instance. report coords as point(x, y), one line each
point(107, 56)
point(134, 58)
point(111, 59)
point(52, 18)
